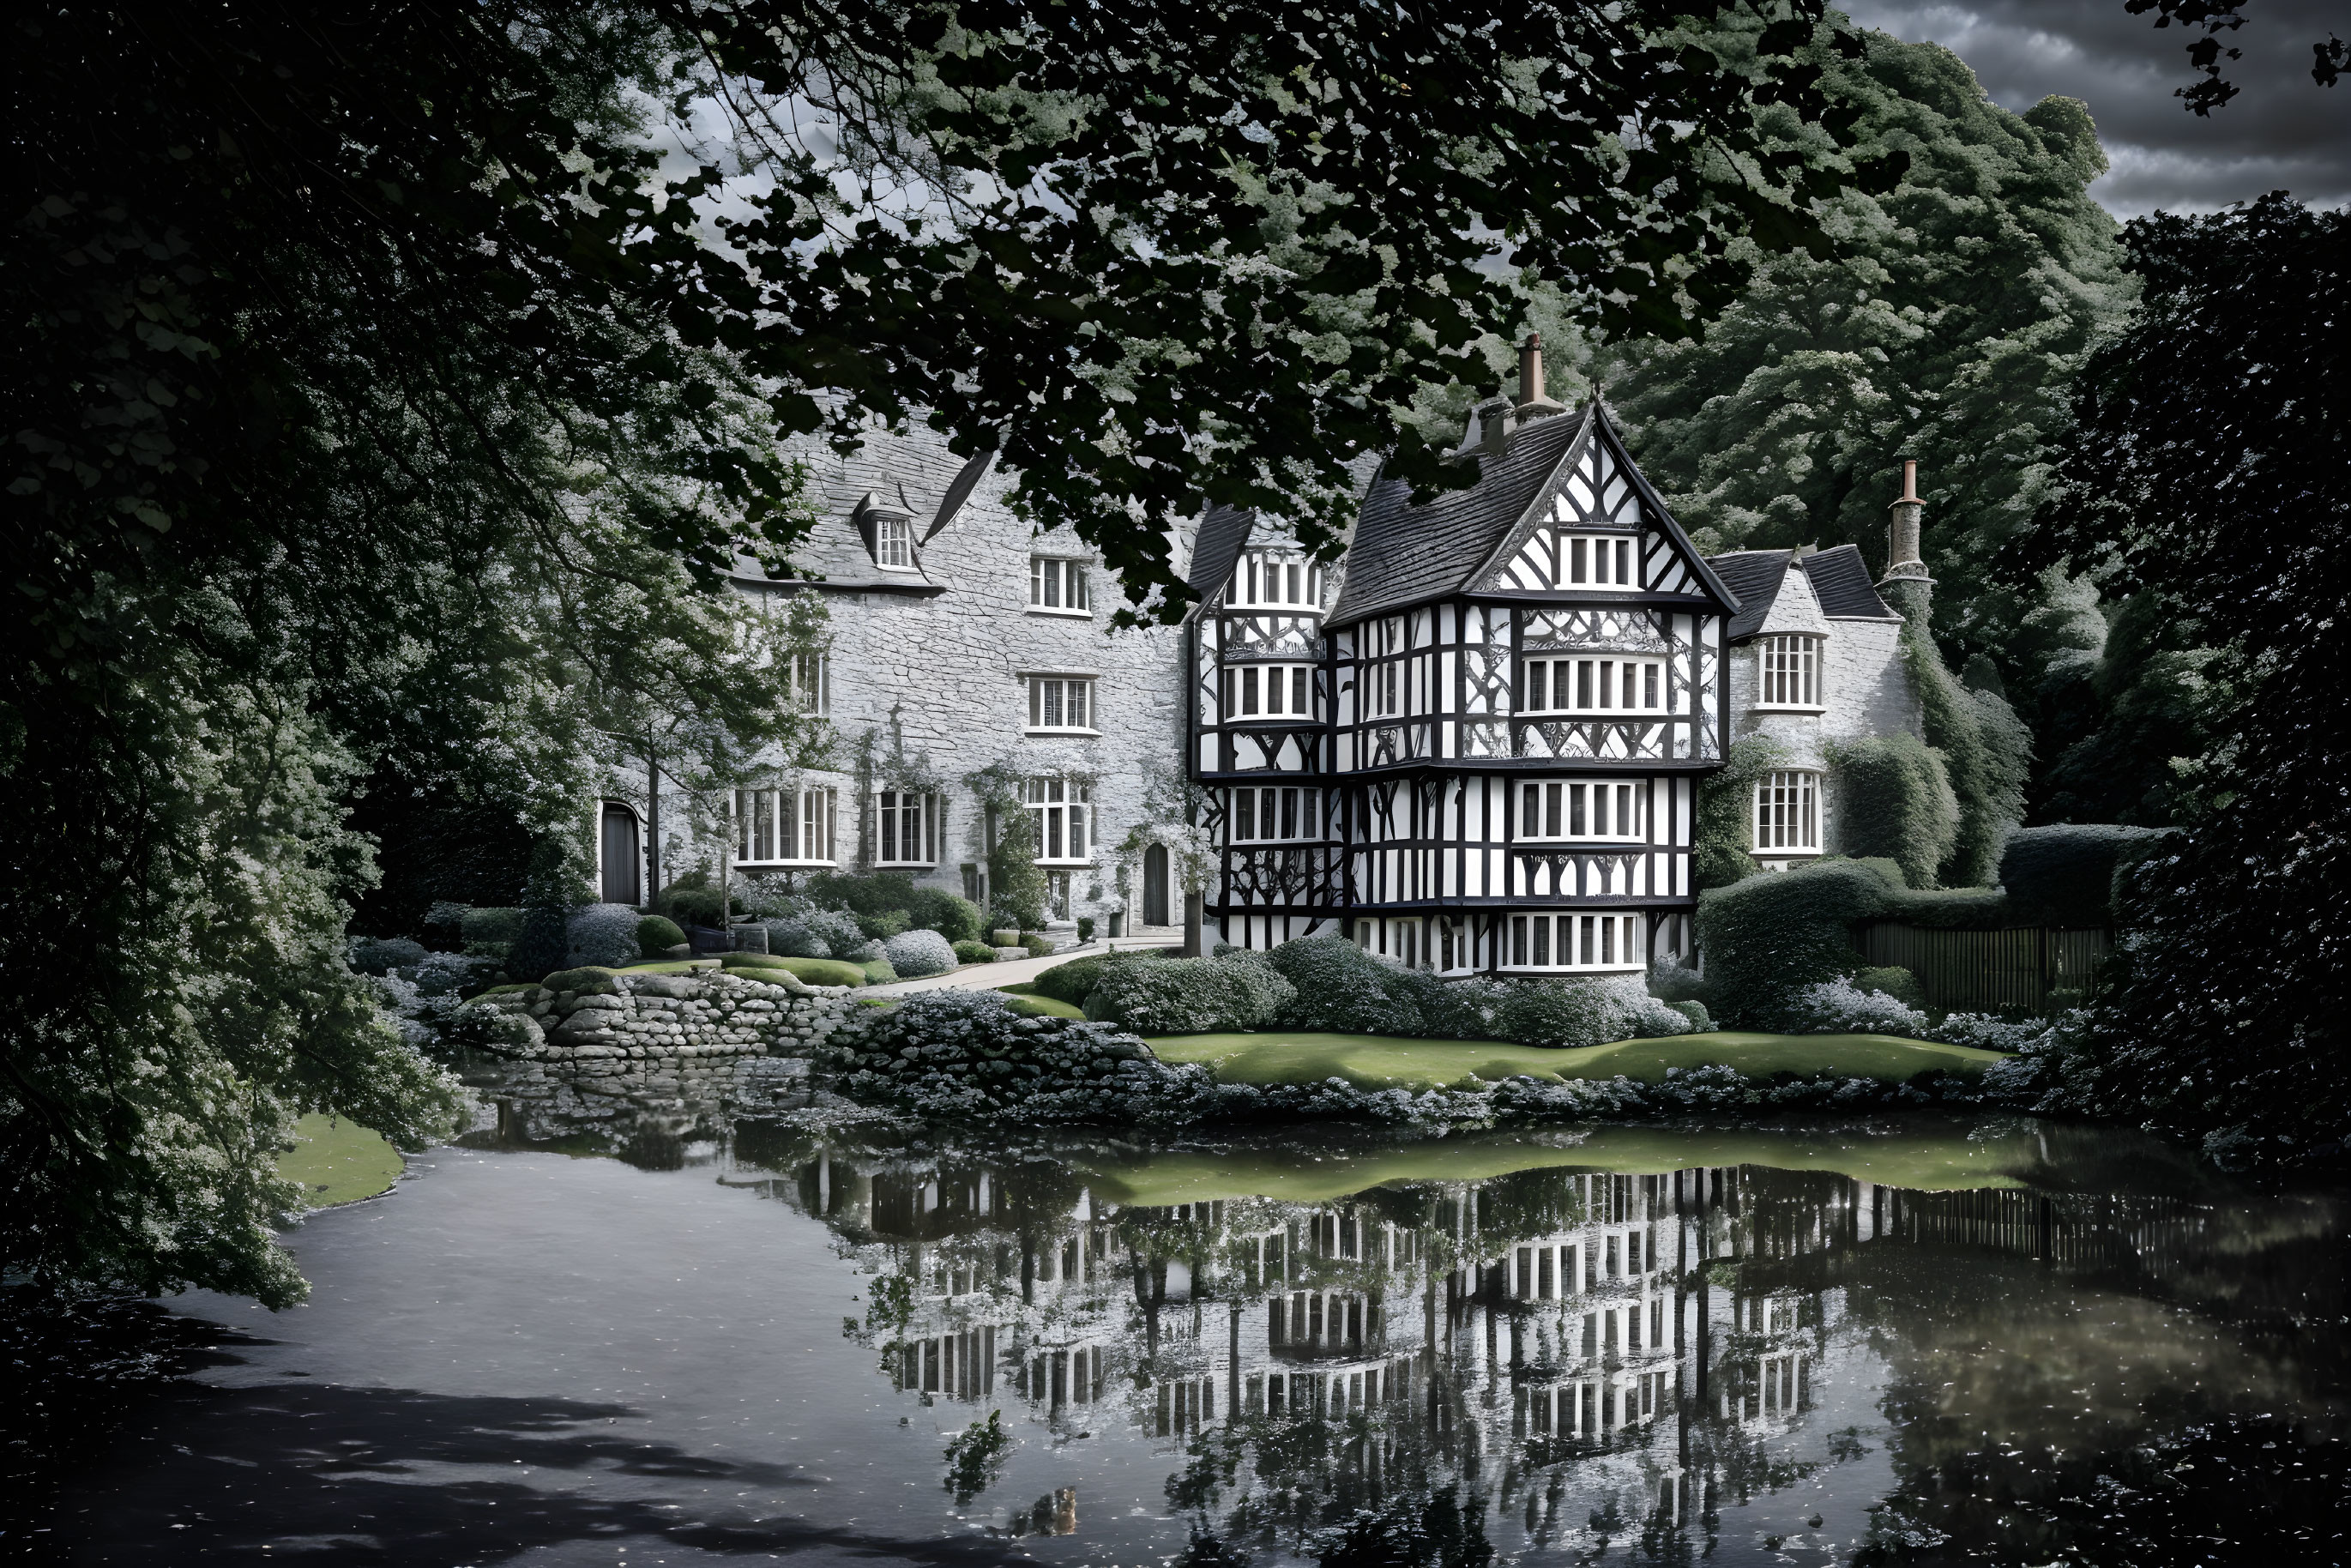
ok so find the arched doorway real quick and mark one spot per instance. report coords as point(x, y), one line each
point(1155, 886)
point(620, 856)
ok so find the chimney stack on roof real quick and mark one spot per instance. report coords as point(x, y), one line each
point(1904, 570)
point(1533, 403)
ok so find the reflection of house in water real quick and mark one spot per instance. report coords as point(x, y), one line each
point(1591, 1349)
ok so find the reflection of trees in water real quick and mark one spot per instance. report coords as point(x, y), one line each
point(1307, 1365)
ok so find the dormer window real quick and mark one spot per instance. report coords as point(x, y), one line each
point(1787, 672)
point(893, 542)
point(1286, 583)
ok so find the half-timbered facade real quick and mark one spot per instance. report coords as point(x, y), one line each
point(1508, 705)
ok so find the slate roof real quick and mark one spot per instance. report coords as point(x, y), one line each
point(1755, 576)
point(1215, 547)
point(1840, 578)
point(1840, 581)
point(1403, 554)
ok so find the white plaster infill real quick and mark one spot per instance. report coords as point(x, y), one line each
point(1016, 971)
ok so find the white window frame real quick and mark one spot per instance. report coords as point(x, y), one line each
point(1582, 810)
point(904, 818)
point(1293, 812)
point(1063, 807)
point(1787, 670)
point(1788, 813)
point(1268, 691)
point(1052, 705)
point(1057, 586)
point(1575, 941)
point(1611, 561)
point(1264, 580)
point(893, 542)
point(810, 682)
point(788, 827)
point(1594, 683)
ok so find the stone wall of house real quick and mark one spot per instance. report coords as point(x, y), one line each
point(933, 688)
point(667, 1032)
point(1868, 691)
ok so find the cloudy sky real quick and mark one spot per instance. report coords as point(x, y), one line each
point(2281, 132)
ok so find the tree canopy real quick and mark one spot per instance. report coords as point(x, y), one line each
point(2207, 470)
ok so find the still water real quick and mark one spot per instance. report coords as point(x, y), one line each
point(605, 1331)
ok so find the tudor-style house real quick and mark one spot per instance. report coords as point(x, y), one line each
point(1489, 762)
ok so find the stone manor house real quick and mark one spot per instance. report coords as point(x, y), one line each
point(1473, 744)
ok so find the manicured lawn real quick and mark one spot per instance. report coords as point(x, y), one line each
point(1025, 999)
point(1933, 1157)
point(1377, 1062)
point(338, 1161)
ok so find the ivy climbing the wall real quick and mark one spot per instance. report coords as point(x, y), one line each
point(1724, 832)
point(1895, 801)
point(1987, 755)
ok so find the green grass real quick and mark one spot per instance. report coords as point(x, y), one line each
point(338, 1161)
point(1026, 999)
point(815, 971)
point(1375, 1062)
point(1932, 1157)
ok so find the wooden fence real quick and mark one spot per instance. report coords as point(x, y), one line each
point(1987, 970)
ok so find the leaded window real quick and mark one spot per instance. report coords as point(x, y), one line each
point(1274, 813)
point(1590, 683)
point(1561, 808)
point(1578, 942)
point(1275, 581)
point(786, 826)
point(1789, 671)
point(1268, 691)
point(1061, 702)
point(1058, 585)
point(812, 684)
point(1788, 813)
point(1063, 809)
point(893, 542)
point(910, 829)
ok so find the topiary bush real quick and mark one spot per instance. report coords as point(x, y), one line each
point(1894, 800)
point(877, 970)
point(913, 954)
point(974, 953)
point(602, 933)
point(1040, 945)
point(1771, 936)
point(691, 901)
point(1190, 996)
point(2065, 875)
point(656, 936)
point(1338, 988)
point(951, 914)
point(1568, 1014)
point(1074, 981)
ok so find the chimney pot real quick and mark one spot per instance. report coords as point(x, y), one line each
point(1533, 403)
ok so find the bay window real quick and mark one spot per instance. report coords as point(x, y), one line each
point(1788, 813)
point(1578, 942)
point(1268, 691)
point(1563, 809)
point(786, 826)
point(1787, 672)
point(1590, 683)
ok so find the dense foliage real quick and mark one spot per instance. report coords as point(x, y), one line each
point(1946, 327)
point(1724, 832)
point(1190, 996)
point(1895, 802)
point(2064, 875)
point(2208, 469)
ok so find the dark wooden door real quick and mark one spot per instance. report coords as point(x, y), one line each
point(621, 855)
point(1155, 886)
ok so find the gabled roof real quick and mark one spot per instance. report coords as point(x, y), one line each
point(1839, 579)
point(1403, 554)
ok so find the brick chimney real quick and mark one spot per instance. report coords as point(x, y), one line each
point(1533, 403)
point(1906, 584)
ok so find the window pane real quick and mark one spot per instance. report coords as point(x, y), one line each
point(1575, 573)
point(1076, 832)
point(1082, 695)
point(1552, 793)
point(1531, 819)
point(1575, 828)
point(1649, 685)
point(1583, 683)
point(1036, 703)
point(1517, 938)
point(1295, 595)
point(1245, 825)
point(1297, 690)
point(1624, 563)
point(1542, 940)
point(1249, 692)
point(1273, 691)
point(1289, 813)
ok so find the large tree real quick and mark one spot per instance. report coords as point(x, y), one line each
point(2207, 473)
point(323, 316)
point(1946, 327)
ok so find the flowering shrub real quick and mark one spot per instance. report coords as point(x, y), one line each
point(913, 954)
point(1839, 1006)
point(1190, 996)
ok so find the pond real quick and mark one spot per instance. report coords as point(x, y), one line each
point(614, 1329)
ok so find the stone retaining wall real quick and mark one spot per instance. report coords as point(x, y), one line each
point(693, 1029)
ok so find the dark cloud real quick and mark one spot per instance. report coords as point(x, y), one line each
point(2283, 130)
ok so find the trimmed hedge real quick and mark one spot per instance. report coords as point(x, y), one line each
point(974, 953)
point(1895, 801)
point(815, 971)
point(1769, 936)
point(1074, 981)
point(602, 933)
point(951, 914)
point(1189, 996)
point(1342, 989)
point(657, 935)
point(494, 925)
point(2065, 875)
point(877, 971)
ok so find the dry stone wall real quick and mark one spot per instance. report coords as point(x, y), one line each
point(670, 1033)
